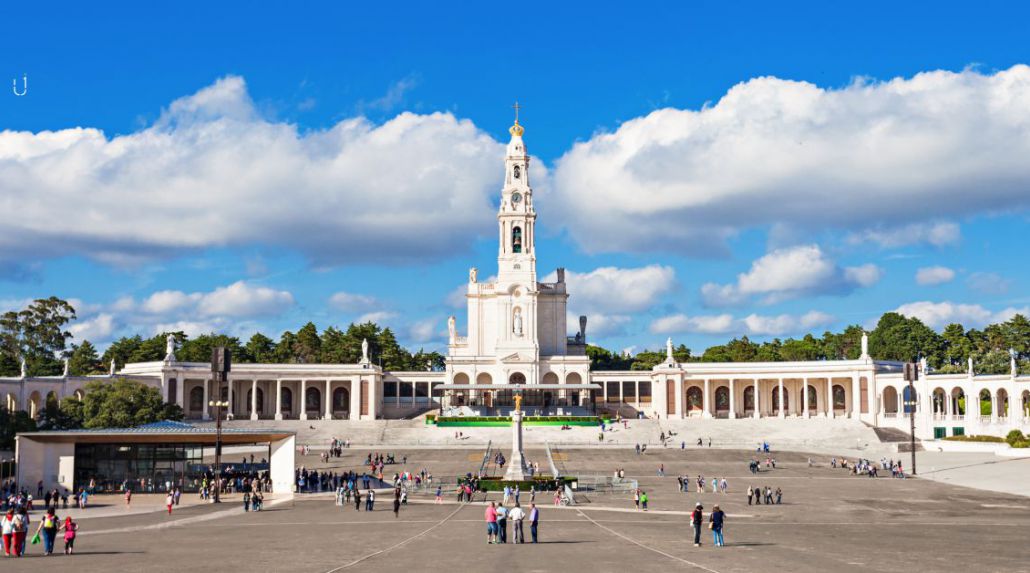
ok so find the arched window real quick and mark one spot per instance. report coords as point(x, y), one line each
point(749, 398)
point(813, 399)
point(197, 399)
point(890, 400)
point(516, 240)
point(722, 399)
point(776, 398)
point(314, 400)
point(517, 378)
point(839, 397)
point(286, 401)
point(517, 172)
point(341, 400)
point(695, 398)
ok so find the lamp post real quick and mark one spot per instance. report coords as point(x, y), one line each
point(221, 364)
point(911, 372)
point(218, 405)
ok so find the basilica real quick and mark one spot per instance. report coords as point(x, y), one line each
point(517, 340)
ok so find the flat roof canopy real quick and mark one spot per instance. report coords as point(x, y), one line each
point(164, 432)
point(517, 387)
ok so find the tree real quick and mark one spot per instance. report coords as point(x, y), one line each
point(121, 350)
point(808, 348)
point(124, 403)
point(37, 335)
point(66, 415)
point(13, 423)
point(307, 346)
point(261, 348)
point(199, 349)
point(957, 346)
point(603, 359)
point(84, 360)
point(897, 337)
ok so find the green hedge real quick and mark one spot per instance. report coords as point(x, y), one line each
point(500, 421)
point(1016, 439)
point(985, 439)
point(541, 483)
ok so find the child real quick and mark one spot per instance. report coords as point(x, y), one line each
point(69, 527)
point(169, 500)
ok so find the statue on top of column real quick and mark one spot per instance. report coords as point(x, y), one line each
point(518, 402)
point(452, 329)
point(24, 368)
point(668, 349)
point(364, 350)
point(473, 274)
point(170, 348)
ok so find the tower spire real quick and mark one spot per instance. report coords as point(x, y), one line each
point(516, 130)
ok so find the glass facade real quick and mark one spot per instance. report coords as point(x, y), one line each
point(143, 467)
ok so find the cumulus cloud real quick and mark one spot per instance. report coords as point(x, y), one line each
point(789, 273)
point(938, 234)
point(988, 283)
point(617, 290)
point(934, 276)
point(99, 327)
point(213, 172)
point(940, 314)
point(378, 317)
point(351, 302)
point(753, 324)
point(600, 325)
point(933, 147)
point(423, 331)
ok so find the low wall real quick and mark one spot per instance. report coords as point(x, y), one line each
point(999, 449)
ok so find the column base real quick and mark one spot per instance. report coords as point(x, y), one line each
point(756, 415)
point(302, 417)
point(328, 417)
point(253, 416)
point(731, 415)
point(706, 415)
point(278, 416)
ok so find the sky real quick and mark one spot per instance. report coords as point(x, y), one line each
point(703, 170)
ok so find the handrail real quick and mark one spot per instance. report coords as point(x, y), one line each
point(486, 458)
point(550, 460)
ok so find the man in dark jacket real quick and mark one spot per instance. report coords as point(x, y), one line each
point(696, 518)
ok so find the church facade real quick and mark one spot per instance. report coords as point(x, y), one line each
point(517, 341)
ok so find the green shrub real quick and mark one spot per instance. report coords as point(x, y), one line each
point(1021, 444)
point(1015, 436)
point(982, 439)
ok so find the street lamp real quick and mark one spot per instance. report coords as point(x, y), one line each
point(911, 374)
point(218, 405)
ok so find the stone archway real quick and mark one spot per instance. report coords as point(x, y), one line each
point(196, 400)
point(776, 399)
point(484, 378)
point(1001, 403)
point(813, 400)
point(939, 398)
point(35, 404)
point(840, 398)
point(286, 402)
point(313, 399)
point(890, 400)
point(461, 378)
point(695, 399)
point(341, 401)
point(985, 402)
point(722, 399)
point(958, 401)
point(749, 399)
point(517, 378)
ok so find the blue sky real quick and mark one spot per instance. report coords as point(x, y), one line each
point(703, 172)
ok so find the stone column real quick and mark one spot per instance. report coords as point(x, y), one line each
point(517, 463)
point(279, 399)
point(733, 411)
point(804, 397)
point(355, 400)
point(180, 392)
point(783, 403)
point(328, 400)
point(707, 403)
point(303, 400)
point(679, 397)
point(829, 397)
point(856, 395)
point(253, 399)
point(758, 401)
point(206, 410)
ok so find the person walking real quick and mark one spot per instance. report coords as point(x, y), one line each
point(534, 520)
point(517, 516)
point(750, 494)
point(715, 521)
point(370, 500)
point(696, 519)
point(48, 527)
point(396, 503)
point(439, 495)
point(636, 498)
point(643, 500)
point(357, 500)
point(491, 523)
point(169, 501)
point(246, 501)
point(7, 525)
point(70, 528)
point(128, 496)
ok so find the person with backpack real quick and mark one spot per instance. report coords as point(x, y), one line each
point(48, 527)
point(69, 527)
point(19, 529)
point(7, 524)
point(696, 519)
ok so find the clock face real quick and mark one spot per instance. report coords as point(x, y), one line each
point(516, 198)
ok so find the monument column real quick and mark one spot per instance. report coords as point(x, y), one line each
point(804, 397)
point(328, 400)
point(758, 411)
point(303, 400)
point(733, 401)
point(205, 411)
point(707, 401)
point(230, 413)
point(279, 399)
point(253, 399)
point(180, 392)
point(829, 397)
point(355, 400)
point(780, 400)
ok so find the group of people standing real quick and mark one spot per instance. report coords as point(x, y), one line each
point(766, 495)
point(15, 526)
point(498, 516)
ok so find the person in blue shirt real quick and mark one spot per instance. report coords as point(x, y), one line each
point(716, 520)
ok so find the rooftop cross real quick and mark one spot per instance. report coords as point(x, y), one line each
point(516, 107)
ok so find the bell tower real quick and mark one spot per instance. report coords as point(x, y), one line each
point(516, 219)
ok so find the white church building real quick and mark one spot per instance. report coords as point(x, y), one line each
point(517, 340)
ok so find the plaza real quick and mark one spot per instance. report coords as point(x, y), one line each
point(829, 520)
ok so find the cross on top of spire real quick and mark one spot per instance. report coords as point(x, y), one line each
point(516, 130)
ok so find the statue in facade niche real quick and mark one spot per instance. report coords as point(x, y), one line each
point(517, 322)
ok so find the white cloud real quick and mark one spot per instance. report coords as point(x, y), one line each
point(789, 273)
point(241, 299)
point(934, 275)
point(379, 317)
point(98, 327)
point(617, 290)
point(940, 314)
point(753, 324)
point(939, 234)
point(600, 325)
point(350, 302)
point(922, 150)
point(988, 283)
point(212, 172)
point(423, 331)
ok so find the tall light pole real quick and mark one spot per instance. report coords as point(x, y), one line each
point(221, 364)
point(911, 374)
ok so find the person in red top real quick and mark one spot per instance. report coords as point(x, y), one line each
point(491, 523)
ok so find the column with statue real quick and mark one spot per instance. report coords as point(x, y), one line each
point(517, 465)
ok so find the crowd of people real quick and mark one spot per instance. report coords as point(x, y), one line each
point(717, 485)
point(869, 468)
point(497, 517)
point(16, 524)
